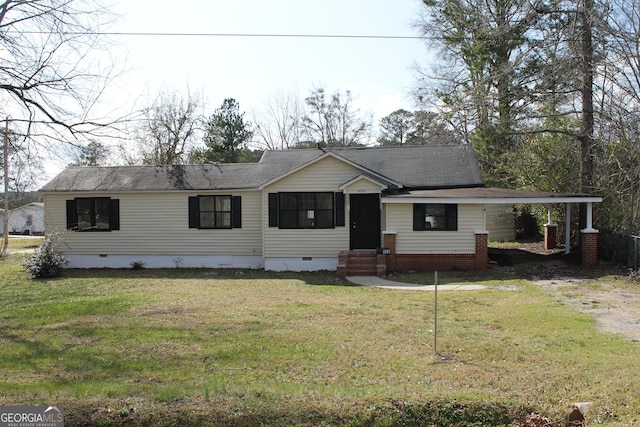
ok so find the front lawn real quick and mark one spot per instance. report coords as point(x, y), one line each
point(238, 347)
point(22, 242)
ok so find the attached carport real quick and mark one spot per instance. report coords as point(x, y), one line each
point(489, 196)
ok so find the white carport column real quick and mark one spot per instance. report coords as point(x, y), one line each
point(567, 229)
point(589, 227)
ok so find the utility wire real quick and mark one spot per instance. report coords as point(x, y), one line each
point(262, 35)
point(266, 35)
point(254, 35)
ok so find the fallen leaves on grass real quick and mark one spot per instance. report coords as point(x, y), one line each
point(534, 420)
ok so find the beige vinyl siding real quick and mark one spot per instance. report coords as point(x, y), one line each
point(500, 223)
point(327, 174)
point(400, 219)
point(363, 186)
point(158, 224)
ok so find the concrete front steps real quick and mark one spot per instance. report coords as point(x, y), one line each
point(361, 263)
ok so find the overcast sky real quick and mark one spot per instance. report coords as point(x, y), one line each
point(379, 72)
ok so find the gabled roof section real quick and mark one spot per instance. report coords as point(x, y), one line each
point(299, 159)
point(363, 177)
point(417, 166)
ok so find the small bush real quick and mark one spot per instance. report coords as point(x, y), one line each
point(47, 260)
point(137, 265)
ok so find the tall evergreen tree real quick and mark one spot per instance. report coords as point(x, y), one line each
point(226, 135)
point(395, 128)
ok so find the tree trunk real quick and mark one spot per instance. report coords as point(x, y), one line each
point(586, 130)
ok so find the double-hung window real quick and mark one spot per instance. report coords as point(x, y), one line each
point(215, 212)
point(306, 210)
point(431, 216)
point(289, 210)
point(93, 214)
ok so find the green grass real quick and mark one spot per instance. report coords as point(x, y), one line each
point(236, 347)
point(18, 243)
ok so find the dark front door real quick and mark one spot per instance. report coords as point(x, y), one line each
point(365, 221)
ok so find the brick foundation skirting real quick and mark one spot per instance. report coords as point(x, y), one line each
point(433, 262)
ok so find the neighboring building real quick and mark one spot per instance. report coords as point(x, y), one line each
point(26, 220)
point(417, 207)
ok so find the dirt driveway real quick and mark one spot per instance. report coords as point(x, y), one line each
point(616, 310)
point(600, 292)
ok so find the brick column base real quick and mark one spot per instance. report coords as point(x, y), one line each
point(589, 247)
point(550, 236)
point(390, 243)
point(482, 250)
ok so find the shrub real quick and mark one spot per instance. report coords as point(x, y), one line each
point(47, 260)
point(137, 265)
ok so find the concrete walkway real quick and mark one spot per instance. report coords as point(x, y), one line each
point(379, 282)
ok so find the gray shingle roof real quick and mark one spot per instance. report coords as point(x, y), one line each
point(426, 166)
point(420, 166)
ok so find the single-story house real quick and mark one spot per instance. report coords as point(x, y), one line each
point(355, 210)
point(26, 219)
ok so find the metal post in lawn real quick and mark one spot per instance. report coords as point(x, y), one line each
point(5, 215)
point(435, 315)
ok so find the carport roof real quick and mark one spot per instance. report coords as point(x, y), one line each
point(488, 195)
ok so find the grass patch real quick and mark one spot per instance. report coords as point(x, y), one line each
point(19, 243)
point(236, 347)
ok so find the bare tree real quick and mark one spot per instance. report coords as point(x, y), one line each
point(52, 74)
point(617, 170)
point(279, 125)
point(334, 121)
point(53, 70)
point(168, 129)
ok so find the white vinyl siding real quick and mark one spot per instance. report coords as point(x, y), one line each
point(463, 241)
point(325, 175)
point(158, 224)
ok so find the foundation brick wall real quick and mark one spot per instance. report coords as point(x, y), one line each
point(390, 242)
point(433, 262)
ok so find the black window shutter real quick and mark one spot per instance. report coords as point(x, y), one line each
point(418, 217)
point(72, 215)
point(193, 212)
point(340, 221)
point(452, 217)
point(114, 214)
point(236, 211)
point(273, 209)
